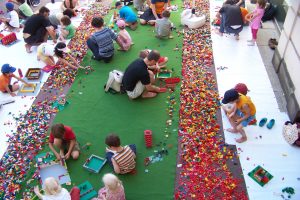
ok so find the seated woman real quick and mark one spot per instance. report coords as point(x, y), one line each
point(154, 12)
point(45, 53)
point(72, 4)
point(112, 190)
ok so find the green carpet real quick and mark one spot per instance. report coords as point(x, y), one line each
point(93, 114)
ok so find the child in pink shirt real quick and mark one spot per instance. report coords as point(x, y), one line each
point(255, 18)
point(123, 36)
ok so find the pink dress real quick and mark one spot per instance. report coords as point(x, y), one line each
point(116, 195)
point(255, 23)
point(124, 39)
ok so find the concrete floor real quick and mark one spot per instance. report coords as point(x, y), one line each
point(268, 31)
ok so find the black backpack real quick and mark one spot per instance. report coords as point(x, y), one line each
point(270, 12)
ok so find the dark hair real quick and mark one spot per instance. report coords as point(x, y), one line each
point(97, 22)
point(143, 53)
point(43, 10)
point(58, 130)
point(153, 55)
point(112, 140)
point(261, 3)
point(118, 3)
point(57, 52)
point(69, 12)
point(166, 14)
point(21, 1)
point(65, 20)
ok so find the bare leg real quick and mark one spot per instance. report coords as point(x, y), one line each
point(58, 143)
point(242, 132)
point(15, 87)
point(28, 48)
point(75, 155)
point(143, 22)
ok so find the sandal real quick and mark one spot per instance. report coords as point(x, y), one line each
point(271, 124)
point(262, 122)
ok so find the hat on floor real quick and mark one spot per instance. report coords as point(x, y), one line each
point(7, 68)
point(230, 95)
point(9, 6)
point(241, 88)
point(290, 133)
point(121, 23)
point(49, 50)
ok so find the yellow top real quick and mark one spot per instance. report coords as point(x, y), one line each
point(245, 100)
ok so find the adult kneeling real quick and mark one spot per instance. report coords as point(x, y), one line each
point(154, 12)
point(138, 80)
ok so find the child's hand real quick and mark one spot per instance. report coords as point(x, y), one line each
point(58, 157)
point(67, 156)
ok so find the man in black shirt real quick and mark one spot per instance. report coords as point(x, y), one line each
point(231, 20)
point(138, 80)
point(37, 28)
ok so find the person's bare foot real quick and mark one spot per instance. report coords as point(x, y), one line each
point(231, 130)
point(28, 48)
point(237, 37)
point(149, 95)
point(241, 140)
point(219, 33)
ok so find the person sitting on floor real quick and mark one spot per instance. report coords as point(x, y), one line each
point(67, 29)
point(241, 114)
point(112, 190)
point(24, 9)
point(45, 53)
point(54, 191)
point(72, 4)
point(55, 18)
point(12, 18)
point(160, 64)
point(154, 11)
point(5, 80)
point(231, 20)
point(124, 37)
point(240, 3)
point(64, 139)
point(101, 42)
point(37, 28)
point(163, 26)
point(121, 159)
point(127, 15)
point(138, 80)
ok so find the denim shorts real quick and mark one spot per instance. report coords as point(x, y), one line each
point(246, 121)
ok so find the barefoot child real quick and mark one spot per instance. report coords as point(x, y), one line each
point(46, 53)
point(64, 139)
point(255, 18)
point(5, 79)
point(123, 36)
point(241, 114)
point(12, 18)
point(67, 29)
point(112, 190)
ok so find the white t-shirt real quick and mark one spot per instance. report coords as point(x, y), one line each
point(63, 195)
point(14, 19)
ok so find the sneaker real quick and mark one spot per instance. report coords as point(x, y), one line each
point(140, 12)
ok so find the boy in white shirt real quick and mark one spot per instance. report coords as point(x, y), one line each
point(12, 18)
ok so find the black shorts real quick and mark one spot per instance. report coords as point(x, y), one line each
point(37, 38)
point(148, 15)
point(10, 88)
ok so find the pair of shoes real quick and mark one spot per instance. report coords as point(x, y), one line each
point(270, 124)
point(272, 43)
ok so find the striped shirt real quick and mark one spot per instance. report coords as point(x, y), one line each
point(104, 39)
point(125, 160)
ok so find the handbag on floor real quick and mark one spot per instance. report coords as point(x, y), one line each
point(114, 82)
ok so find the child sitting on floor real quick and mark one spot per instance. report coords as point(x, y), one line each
point(12, 18)
point(67, 29)
point(64, 139)
point(160, 64)
point(24, 9)
point(112, 190)
point(5, 79)
point(163, 26)
point(123, 36)
point(122, 159)
point(45, 53)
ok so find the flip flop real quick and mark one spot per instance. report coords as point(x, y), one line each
point(271, 124)
point(262, 122)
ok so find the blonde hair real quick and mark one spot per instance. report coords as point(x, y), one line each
point(52, 187)
point(111, 182)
